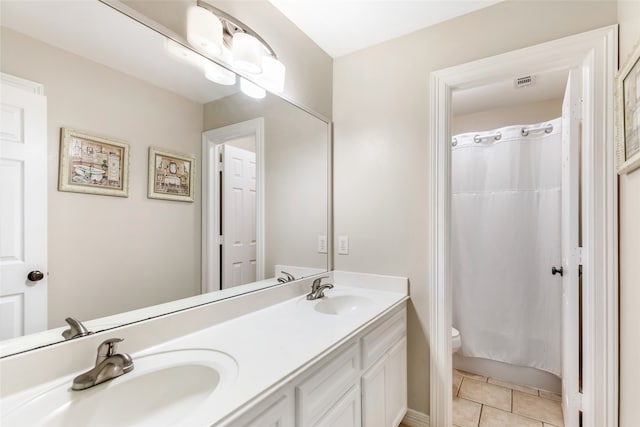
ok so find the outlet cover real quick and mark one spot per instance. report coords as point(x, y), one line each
point(322, 244)
point(343, 245)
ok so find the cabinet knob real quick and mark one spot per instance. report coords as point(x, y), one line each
point(35, 275)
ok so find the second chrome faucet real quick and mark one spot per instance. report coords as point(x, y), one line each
point(317, 288)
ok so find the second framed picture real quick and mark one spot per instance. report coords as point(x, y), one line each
point(171, 175)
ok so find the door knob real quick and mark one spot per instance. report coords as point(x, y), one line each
point(35, 275)
point(556, 270)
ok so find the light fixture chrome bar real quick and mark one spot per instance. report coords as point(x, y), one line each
point(226, 18)
point(548, 128)
point(495, 136)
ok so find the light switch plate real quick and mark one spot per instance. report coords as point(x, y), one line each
point(322, 244)
point(343, 245)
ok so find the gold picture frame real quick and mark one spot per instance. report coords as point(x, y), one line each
point(628, 113)
point(93, 165)
point(171, 175)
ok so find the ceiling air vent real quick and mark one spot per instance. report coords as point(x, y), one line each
point(524, 81)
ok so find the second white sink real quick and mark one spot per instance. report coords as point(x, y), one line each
point(342, 304)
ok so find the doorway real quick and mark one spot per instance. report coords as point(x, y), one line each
point(513, 309)
point(593, 55)
point(233, 205)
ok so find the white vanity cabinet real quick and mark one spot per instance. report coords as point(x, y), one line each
point(361, 383)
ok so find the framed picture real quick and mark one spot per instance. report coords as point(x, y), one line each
point(93, 165)
point(628, 113)
point(171, 175)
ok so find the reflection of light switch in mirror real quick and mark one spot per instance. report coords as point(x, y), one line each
point(322, 244)
point(343, 245)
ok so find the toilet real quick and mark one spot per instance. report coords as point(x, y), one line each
point(456, 342)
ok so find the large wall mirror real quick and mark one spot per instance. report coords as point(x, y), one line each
point(260, 211)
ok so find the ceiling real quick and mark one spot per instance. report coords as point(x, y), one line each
point(546, 86)
point(341, 27)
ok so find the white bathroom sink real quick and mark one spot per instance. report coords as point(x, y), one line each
point(342, 304)
point(163, 389)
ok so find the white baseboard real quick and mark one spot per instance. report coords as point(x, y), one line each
point(415, 419)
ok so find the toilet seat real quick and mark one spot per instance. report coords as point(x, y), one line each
point(456, 341)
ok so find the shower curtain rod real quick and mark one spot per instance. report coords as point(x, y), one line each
point(477, 138)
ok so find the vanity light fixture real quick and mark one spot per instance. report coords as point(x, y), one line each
point(240, 46)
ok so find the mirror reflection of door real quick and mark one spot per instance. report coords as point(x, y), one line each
point(23, 213)
point(237, 181)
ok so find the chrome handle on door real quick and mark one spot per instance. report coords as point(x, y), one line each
point(556, 270)
point(35, 275)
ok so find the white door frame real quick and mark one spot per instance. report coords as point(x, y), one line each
point(595, 54)
point(211, 198)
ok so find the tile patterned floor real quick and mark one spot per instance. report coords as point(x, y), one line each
point(486, 402)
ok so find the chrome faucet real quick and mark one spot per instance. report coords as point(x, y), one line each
point(109, 365)
point(289, 277)
point(76, 329)
point(317, 288)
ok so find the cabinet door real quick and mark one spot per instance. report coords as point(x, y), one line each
point(373, 395)
point(384, 389)
point(396, 383)
point(345, 413)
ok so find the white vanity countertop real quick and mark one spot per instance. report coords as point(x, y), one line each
point(273, 344)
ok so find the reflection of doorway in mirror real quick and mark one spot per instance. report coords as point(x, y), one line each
point(247, 135)
point(237, 180)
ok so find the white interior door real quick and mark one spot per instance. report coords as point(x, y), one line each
point(571, 116)
point(23, 211)
point(238, 216)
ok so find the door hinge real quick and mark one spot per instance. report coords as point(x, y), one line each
point(579, 255)
point(578, 401)
point(220, 166)
point(220, 239)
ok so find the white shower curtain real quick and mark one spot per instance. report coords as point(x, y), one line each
point(506, 237)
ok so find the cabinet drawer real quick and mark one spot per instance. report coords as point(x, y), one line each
point(377, 342)
point(321, 390)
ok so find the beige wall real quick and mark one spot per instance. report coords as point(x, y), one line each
point(295, 176)
point(523, 114)
point(309, 69)
point(629, 19)
point(112, 254)
point(381, 161)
